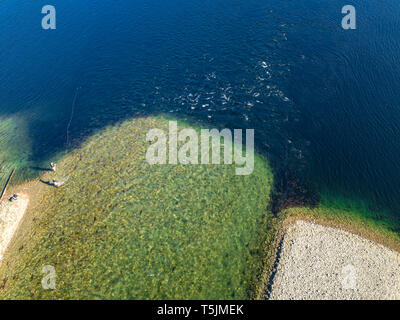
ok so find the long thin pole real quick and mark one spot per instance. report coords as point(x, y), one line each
point(72, 114)
point(7, 183)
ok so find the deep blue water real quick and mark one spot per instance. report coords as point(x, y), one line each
point(324, 101)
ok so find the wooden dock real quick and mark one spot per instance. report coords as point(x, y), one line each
point(7, 183)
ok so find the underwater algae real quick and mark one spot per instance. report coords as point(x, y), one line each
point(123, 229)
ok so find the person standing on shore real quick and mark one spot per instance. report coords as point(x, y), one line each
point(53, 166)
point(56, 183)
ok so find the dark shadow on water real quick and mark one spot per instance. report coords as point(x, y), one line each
point(291, 191)
point(40, 169)
point(268, 291)
point(47, 182)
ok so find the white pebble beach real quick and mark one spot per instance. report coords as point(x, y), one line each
point(11, 214)
point(318, 262)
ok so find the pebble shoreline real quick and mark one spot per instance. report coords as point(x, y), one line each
point(318, 263)
point(11, 214)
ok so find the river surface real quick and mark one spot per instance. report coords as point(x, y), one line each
point(323, 101)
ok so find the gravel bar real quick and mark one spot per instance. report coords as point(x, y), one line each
point(11, 214)
point(318, 263)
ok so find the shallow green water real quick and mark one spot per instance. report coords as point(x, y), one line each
point(15, 145)
point(121, 228)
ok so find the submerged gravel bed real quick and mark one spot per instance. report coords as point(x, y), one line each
point(318, 262)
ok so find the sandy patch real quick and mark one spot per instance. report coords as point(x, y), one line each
point(318, 262)
point(11, 214)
